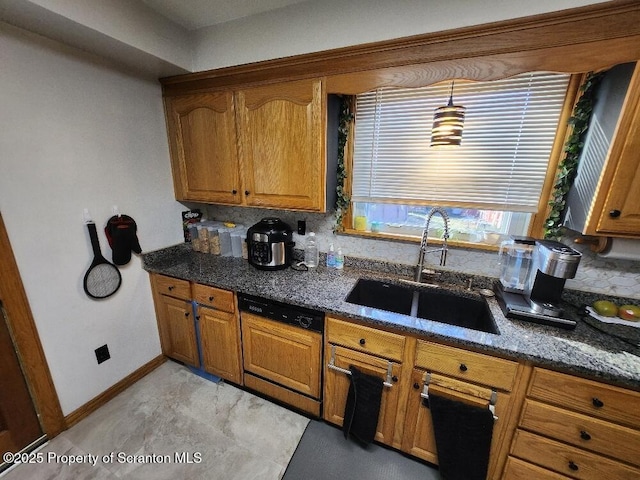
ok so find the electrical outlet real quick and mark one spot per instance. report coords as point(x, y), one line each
point(302, 227)
point(102, 354)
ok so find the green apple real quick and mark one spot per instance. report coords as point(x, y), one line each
point(605, 308)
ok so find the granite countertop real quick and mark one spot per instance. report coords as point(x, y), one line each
point(586, 351)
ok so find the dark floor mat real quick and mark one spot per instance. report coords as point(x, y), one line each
point(324, 454)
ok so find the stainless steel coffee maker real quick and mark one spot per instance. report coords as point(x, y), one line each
point(532, 278)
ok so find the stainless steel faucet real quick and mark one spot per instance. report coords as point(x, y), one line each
point(423, 243)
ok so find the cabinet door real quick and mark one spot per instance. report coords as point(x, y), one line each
point(282, 145)
point(419, 439)
point(177, 330)
point(286, 355)
point(220, 342)
point(203, 141)
point(336, 388)
point(616, 209)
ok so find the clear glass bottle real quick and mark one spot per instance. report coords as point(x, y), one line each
point(311, 255)
point(339, 263)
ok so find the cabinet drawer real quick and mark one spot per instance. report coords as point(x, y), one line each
point(582, 431)
point(365, 339)
point(470, 366)
point(214, 297)
point(568, 460)
point(517, 469)
point(174, 287)
point(586, 396)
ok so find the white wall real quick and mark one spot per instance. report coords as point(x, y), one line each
point(76, 133)
point(326, 24)
point(123, 30)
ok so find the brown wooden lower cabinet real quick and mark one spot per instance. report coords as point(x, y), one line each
point(576, 428)
point(520, 470)
point(571, 461)
point(418, 435)
point(178, 330)
point(336, 388)
point(220, 343)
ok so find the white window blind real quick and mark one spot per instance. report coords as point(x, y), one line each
point(508, 135)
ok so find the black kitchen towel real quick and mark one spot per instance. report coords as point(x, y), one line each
point(463, 438)
point(122, 237)
point(363, 406)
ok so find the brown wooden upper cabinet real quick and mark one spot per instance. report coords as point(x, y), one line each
point(261, 146)
point(202, 139)
point(615, 209)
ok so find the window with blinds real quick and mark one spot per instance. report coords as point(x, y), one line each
point(509, 131)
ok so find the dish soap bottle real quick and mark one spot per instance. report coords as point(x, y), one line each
point(311, 251)
point(331, 257)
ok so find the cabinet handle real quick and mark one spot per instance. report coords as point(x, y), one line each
point(573, 466)
point(614, 213)
point(585, 435)
point(597, 402)
point(463, 367)
point(362, 341)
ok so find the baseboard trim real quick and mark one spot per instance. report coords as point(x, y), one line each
point(96, 402)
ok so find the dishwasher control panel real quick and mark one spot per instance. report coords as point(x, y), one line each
point(281, 312)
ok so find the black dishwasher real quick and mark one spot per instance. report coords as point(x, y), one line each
point(292, 315)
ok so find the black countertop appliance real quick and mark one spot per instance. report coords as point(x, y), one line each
point(270, 244)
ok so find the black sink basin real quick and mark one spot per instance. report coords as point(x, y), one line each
point(385, 296)
point(448, 307)
point(440, 305)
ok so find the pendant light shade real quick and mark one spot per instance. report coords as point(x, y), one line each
point(447, 124)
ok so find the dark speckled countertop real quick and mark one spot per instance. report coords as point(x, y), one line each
point(585, 351)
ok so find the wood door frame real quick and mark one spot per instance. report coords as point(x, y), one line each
point(27, 342)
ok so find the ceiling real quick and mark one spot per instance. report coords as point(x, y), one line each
point(194, 14)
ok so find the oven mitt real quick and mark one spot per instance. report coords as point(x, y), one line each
point(122, 237)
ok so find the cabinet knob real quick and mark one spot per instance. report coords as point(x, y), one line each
point(246, 192)
point(585, 435)
point(234, 191)
point(597, 402)
point(463, 367)
point(614, 213)
point(186, 314)
point(362, 341)
point(211, 298)
point(171, 287)
point(394, 379)
point(573, 466)
point(416, 386)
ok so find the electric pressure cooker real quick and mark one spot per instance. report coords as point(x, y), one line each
point(270, 244)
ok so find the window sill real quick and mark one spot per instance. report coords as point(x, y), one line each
point(413, 239)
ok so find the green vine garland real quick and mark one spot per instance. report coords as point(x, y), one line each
point(568, 167)
point(342, 196)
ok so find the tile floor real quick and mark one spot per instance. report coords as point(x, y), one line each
point(172, 415)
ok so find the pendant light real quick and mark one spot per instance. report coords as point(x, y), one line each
point(447, 124)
